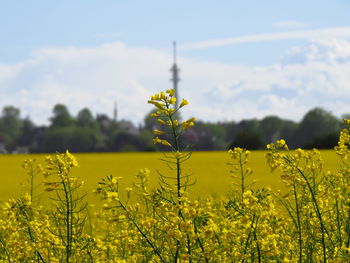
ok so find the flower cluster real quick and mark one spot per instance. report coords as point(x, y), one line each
point(166, 115)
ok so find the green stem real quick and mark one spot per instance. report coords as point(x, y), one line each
point(242, 176)
point(6, 250)
point(152, 245)
point(338, 223)
point(299, 224)
point(248, 239)
point(317, 209)
point(178, 163)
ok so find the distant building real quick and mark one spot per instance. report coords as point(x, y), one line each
point(128, 127)
point(3, 148)
point(21, 150)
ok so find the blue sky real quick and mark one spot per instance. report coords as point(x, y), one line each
point(239, 59)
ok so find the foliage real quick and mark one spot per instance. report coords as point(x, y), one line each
point(10, 125)
point(87, 133)
point(317, 122)
point(307, 222)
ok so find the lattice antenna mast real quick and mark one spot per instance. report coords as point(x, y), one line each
point(175, 76)
point(115, 111)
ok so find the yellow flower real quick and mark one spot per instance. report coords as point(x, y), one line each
point(162, 96)
point(155, 97)
point(188, 124)
point(157, 104)
point(162, 142)
point(157, 140)
point(172, 101)
point(160, 121)
point(169, 111)
point(183, 103)
point(112, 196)
point(171, 92)
point(166, 143)
point(158, 132)
point(73, 161)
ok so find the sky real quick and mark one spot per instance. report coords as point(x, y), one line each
point(238, 59)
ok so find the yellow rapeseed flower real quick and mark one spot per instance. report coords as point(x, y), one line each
point(162, 96)
point(160, 121)
point(172, 101)
point(165, 143)
point(158, 132)
point(183, 103)
point(171, 92)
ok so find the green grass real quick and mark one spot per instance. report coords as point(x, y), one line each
point(209, 168)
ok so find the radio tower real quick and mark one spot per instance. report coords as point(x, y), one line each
point(175, 76)
point(115, 111)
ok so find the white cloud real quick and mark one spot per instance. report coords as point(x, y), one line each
point(332, 50)
point(289, 24)
point(301, 34)
point(317, 74)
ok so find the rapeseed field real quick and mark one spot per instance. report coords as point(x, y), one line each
point(209, 168)
point(298, 213)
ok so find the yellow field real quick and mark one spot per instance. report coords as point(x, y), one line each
point(209, 168)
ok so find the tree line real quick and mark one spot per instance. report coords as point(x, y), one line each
point(87, 133)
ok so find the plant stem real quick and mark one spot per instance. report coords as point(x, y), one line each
point(299, 225)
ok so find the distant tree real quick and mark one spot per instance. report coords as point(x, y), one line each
point(84, 139)
point(206, 136)
point(61, 116)
point(249, 135)
point(248, 139)
point(109, 129)
point(56, 139)
point(328, 141)
point(125, 142)
point(28, 133)
point(10, 126)
point(317, 122)
point(271, 127)
point(145, 138)
point(230, 131)
point(92, 138)
point(218, 132)
point(288, 132)
point(85, 119)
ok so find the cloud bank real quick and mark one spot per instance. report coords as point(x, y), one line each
point(317, 74)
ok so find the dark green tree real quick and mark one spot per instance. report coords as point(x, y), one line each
point(56, 139)
point(126, 142)
point(61, 116)
point(271, 127)
point(328, 141)
point(85, 119)
point(317, 122)
point(10, 126)
point(27, 134)
point(248, 135)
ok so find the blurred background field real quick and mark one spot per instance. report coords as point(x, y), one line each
point(209, 168)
